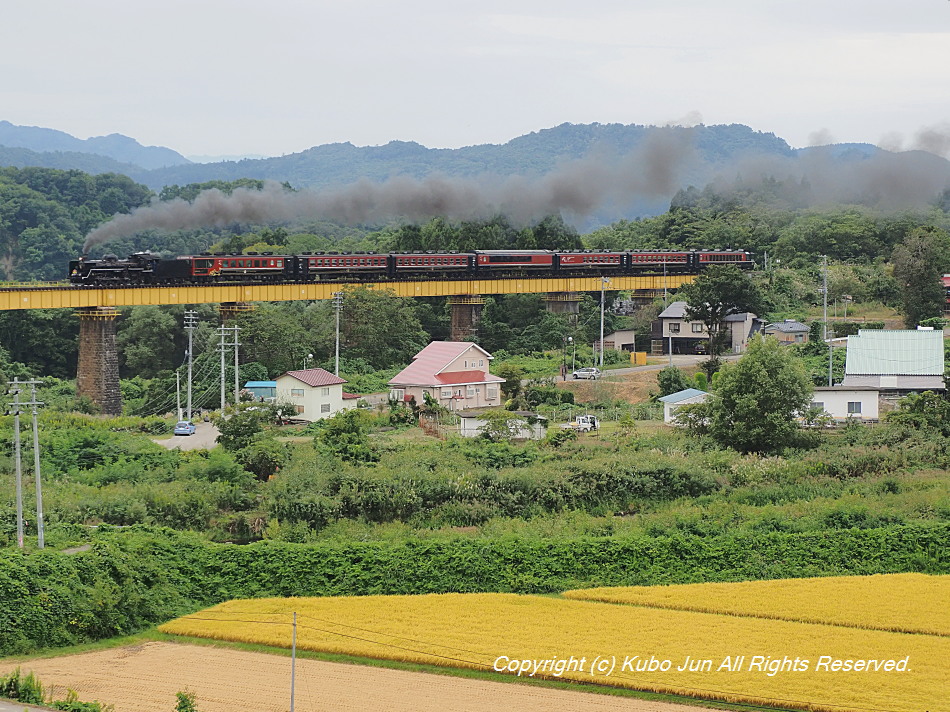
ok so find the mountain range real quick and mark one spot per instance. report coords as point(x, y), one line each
point(723, 150)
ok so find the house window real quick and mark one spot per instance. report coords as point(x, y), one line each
point(491, 393)
point(697, 328)
point(818, 404)
point(324, 407)
point(674, 328)
point(854, 407)
point(446, 394)
point(324, 391)
point(299, 409)
point(296, 392)
point(481, 362)
point(470, 392)
point(397, 394)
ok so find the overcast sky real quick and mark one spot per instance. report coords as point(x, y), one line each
point(216, 77)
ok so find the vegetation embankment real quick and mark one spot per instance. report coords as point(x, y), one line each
point(135, 578)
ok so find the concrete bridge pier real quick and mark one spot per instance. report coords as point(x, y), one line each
point(97, 376)
point(466, 313)
point(228, 310)
point(563, 303)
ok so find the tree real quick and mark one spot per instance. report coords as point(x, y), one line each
point(918, 263)
point(720, 292)
point(757, 400)
point(380, 328)
point(239, 430)
point(146, 340)
point(672, 380)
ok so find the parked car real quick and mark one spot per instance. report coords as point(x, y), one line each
point(588, 372)
point(184, 427)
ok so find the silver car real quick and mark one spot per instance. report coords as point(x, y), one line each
point(589, 372)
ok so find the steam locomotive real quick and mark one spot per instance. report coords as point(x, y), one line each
point(144, 268)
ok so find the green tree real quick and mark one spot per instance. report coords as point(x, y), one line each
point(345, 436)
point(238, 431)
point(380, 328)
point(757, 400)
point(718, 293)
point(672, 380)
point(918, 263)
point(146, 340)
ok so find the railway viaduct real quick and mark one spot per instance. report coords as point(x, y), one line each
point(97, 308)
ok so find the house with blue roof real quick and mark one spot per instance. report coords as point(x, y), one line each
point(674, 401)
point(265, 391)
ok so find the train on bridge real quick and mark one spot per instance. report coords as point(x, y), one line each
point(145, 268)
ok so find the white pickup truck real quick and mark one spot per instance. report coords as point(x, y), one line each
point(583, 424)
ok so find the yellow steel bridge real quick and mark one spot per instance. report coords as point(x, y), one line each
point(63, 296)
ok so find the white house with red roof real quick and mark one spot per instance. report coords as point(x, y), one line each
point(454, 373)
point(314, 392)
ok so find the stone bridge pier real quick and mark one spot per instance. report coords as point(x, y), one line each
point(466, 313)
point(97, 376)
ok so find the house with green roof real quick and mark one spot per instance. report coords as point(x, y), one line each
point(895, 360)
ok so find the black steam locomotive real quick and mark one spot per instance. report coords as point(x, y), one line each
point(144, 268)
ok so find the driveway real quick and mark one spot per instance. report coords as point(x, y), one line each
point(204, 438)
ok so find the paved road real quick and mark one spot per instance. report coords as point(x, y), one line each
point(680, 360)
point(203, 439)
point(6, 706)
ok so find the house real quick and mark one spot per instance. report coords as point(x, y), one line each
point(453, 373)
point(895, 361)
point(789, 331)
point(262, 390)
point(842, 403)
point(523, 424)
point(623, 340)
point(673, 401)
point(314, 392)
point(672, 330)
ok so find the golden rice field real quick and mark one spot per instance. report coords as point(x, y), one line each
point(910, 603)
point(702, 654)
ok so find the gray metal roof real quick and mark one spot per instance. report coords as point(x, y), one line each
point(682, 395)
point(789, 326)
point(677, 310)
point(895, 353)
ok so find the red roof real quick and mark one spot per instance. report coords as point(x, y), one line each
point(457, 378)
point(428, 364)
point(316, 377)
point(350, 396)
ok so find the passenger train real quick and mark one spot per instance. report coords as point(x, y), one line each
point(144, 268)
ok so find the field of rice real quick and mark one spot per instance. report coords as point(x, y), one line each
point(707, 655)
point(911, 603)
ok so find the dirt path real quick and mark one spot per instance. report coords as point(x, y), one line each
point(145, 678)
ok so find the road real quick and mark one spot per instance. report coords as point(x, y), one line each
point(204, 438)
point(679, 360)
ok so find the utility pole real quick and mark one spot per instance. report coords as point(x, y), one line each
point(222, 347)
point(293, 661)
point(237, 370)
point(40, 531)
point(338, 307)
point(14, 410)
point(824, 264)
point(221, 331)
point(191, 322)
point(603, 284)
point(178, 393)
